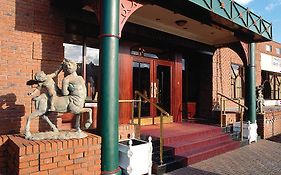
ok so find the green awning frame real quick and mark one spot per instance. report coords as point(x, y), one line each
point(239, 15)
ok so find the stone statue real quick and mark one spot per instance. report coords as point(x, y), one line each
point(46, 81)
point(71, 98)
point(260, 100)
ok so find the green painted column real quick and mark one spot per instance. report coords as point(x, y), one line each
point(108, 95)
point(251, 85)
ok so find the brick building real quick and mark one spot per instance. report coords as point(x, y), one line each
point(226, 72)
point(171, 55)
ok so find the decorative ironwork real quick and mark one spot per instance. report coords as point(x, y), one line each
point(242, 16)
point(127, 8)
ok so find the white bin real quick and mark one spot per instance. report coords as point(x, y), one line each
point(135, 156)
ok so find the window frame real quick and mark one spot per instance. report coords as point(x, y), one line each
point(274, 80)
point(268, 48)
point(83, 73)
point(233, 82)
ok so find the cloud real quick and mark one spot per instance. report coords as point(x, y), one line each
point(243, 2)
point(273, 4)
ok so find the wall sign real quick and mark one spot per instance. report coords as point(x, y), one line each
point(270, 63)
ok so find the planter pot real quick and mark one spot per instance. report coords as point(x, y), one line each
point(249, 130)
point(135, 156)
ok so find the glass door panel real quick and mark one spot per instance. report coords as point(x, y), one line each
point(163, 81)
point(141, 83)
point(152, 78)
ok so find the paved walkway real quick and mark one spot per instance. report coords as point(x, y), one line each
point(262, 158)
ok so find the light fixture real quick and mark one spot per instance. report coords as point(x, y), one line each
point(181, 22)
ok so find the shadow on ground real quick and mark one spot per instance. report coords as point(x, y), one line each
point(276, 138)
point(191, 171)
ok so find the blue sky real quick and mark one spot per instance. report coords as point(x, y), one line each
point(270, 10)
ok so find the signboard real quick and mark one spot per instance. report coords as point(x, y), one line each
point(270, 63)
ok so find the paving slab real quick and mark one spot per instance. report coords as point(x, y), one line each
point(262, 158)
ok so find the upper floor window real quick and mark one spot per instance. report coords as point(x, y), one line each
point(237, 81)
point(268, 48)
point(278, 51)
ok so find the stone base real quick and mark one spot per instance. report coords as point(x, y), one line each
point(48, 157)
point(57, 135)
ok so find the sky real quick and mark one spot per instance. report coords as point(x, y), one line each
point(270, 10)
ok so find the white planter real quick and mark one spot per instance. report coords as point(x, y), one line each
point(135, 156)
point(249, 130)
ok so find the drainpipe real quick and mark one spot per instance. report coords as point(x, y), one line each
point(251, 94)
point(108, 96)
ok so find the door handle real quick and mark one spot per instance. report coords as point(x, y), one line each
point(155, 90)
point(151, 90)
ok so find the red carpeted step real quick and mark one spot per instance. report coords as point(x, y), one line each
point(186, 145)
point(175, 132)
point(191, 136)
point(209, 151)
point(191, 142)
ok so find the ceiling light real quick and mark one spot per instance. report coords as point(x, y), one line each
point(181, 22)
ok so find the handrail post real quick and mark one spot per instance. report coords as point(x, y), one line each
point(224, 108)
point(162, 111)
point(133, 112)
point(221, 110)
point(139, 111)
point(161, 138)
point(241, 124)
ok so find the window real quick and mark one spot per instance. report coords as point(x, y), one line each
point(91, 61)
point(138, 51)
point(278, 51)
point(237, 81)
point(268, 48)
point(272, 85)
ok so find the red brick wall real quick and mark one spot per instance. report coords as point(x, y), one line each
point(222, 60)
point(3, 154)
point(127, 131)
point(269, 124)
point(74, 156)
point(31, 37)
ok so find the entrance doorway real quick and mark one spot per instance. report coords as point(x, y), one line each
point(153, 78)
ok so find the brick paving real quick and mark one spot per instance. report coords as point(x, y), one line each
point(262, 158)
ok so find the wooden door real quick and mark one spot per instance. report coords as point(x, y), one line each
point(153, 78)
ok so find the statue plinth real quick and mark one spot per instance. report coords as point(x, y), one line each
point(57, 135)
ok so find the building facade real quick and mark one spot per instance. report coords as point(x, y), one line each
point(174, 57)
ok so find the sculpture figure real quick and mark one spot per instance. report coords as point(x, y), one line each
point(46, 81)
point(70, 99)
point(260, 100)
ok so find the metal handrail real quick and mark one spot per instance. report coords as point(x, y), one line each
point(240, 108)
point(120, 101)
point(139, 115)
point(123, 101)
point(161, 121)
point(133, 107)
point(154, 104)
point(245, 107)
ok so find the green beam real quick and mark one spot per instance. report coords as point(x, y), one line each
point(108, 97)
point(251, 85)
point(242, 16)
